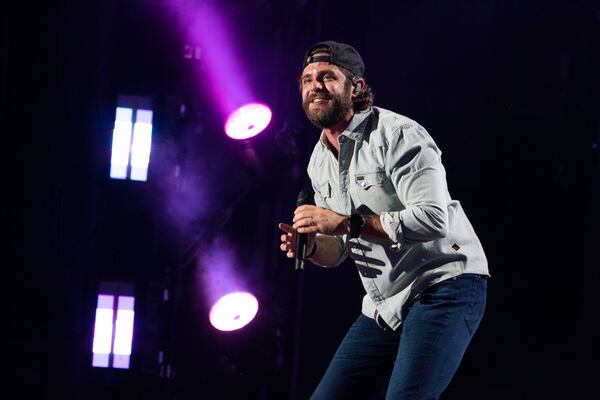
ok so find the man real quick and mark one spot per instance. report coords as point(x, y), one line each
point(381, 198)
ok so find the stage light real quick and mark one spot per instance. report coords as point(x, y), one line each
point(121, 143)
point(103, 330)
point(131, 144)
point(248, 121)
point(123, 332)
point(212, 35)
point(113, 328)
point(142, 143)
point(233, 311)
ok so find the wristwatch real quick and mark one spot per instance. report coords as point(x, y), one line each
point(356, 223)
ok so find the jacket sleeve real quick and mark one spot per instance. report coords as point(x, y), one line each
point(413, 162)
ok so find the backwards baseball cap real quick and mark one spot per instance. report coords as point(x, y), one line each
point(340, 54)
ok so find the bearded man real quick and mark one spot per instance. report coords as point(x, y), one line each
point(381, 198)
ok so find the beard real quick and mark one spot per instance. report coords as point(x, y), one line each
point(330, 114)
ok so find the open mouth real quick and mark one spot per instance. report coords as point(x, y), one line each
point(319, 100)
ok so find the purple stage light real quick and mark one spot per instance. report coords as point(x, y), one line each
point(121, 143)
point(113, 329)
point(233, 311)
point(248, 121)
point(103, 331)
point(131, 144)
point(123, 332)
point(141, 145)
point(212, 39)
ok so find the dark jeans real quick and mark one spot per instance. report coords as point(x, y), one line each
point(418, 360)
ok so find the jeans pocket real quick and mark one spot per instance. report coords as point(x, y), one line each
point(476, 305)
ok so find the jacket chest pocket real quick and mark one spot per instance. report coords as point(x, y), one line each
point(374, 190)
point(368, 180)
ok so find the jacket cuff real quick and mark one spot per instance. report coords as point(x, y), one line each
point(390, 222)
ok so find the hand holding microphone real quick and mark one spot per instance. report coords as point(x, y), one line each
point(309, 220)
point(294, 244)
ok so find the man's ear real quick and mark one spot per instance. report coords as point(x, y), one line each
point(358, 84)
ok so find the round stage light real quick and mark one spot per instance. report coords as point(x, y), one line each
point(233, 311)
point(248, 121)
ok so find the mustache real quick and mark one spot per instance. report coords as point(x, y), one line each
point(319, 95)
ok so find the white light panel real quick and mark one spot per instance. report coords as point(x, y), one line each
point(123, 332)
point(142, 143)
point(103, 331)
point(121, 143)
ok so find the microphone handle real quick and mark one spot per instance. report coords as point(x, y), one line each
point(304, 197)
point(301, 243)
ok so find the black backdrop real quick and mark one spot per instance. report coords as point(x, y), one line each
point(508, 89)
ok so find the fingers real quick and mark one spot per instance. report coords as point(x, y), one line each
point(303, 216)
point(286, 244)
point(308, 219)
point(306, 223)
point(303, 212)
point(306, 207)
point(300, 224)
point(288, 240)
point(290, 234)
point(287, 250)
point(286, 228)
point(309, 229)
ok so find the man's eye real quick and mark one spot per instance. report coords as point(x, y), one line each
point(328, 77)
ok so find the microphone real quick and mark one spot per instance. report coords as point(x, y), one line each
point(304, 197)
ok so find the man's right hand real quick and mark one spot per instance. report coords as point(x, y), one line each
point(288, 240)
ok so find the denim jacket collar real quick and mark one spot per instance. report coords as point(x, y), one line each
point(355, 129)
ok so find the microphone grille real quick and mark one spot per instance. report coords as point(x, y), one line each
point(305, 197)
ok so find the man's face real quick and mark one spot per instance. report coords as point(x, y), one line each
point(326, 94)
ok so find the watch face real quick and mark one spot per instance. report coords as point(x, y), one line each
point(356, 224)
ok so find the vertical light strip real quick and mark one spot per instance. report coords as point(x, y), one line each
point(121, 143)
point(142, 143)
point(103, 331)
point(123, 332)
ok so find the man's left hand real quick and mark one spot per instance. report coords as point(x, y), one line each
point(313, 219)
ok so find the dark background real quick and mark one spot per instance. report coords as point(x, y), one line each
point(510, 91)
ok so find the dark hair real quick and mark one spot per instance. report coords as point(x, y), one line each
point(365, 98)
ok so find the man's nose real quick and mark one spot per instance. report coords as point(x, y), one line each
point(316, 85)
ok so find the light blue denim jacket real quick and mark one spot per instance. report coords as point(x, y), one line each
point(389, 165)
